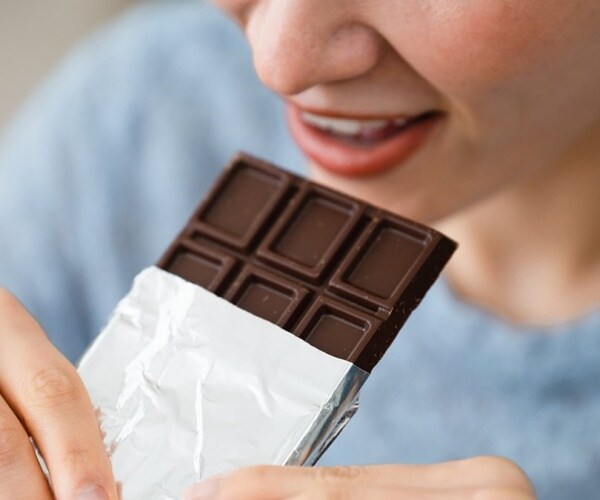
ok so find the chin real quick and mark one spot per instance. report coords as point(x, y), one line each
point(417, 204)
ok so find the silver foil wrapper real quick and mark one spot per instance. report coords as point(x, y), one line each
point(187, 385)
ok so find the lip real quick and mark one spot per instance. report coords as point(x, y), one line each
point(343, 158)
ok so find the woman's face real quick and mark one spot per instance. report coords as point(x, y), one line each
point(426, 106)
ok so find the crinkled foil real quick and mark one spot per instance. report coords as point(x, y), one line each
point(188, 385)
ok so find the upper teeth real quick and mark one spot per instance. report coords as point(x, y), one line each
point(347, 126)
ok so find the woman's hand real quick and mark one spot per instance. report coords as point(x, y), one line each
point(483, 478)
point(42, 396)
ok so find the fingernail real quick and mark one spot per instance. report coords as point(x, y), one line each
point(91, 492)
point(206, 490)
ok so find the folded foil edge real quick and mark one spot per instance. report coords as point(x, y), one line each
point(188, 385)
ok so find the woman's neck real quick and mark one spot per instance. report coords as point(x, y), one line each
point(531, 254)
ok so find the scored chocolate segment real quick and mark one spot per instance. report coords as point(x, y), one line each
point(200, 265)
point(305, 240)
point(267, 296)
point(362, 275)
point(241, 204)
point(337, 329)
point(340, 274)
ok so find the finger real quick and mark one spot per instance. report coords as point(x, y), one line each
point(45, 392)
point(20, 473)
point(268, 482)
point(468, 473)
point(277, 483)
point(273, 483)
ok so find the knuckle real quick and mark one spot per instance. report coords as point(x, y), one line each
point(339, 473)
point(75, 456)
point(52, 387)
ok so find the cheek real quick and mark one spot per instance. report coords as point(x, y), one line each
point(477, 45)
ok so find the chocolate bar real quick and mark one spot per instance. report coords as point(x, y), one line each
point(339, 273)
point(188, 385)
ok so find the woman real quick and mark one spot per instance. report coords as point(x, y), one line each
point(481, 117)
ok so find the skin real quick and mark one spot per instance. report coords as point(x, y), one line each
point(517, 83)
point(515, 156)
point(483, 478)
point(42, 396)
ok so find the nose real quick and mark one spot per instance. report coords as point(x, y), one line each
point(298, 44)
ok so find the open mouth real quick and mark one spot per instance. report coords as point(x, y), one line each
point(363, 133)
point(359, 146)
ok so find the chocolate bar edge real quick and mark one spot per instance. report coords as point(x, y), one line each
point(417, 290)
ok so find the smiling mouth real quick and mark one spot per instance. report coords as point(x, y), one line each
point(364, 133)
point(360, 145)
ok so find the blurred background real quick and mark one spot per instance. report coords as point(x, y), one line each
point(35, 34)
